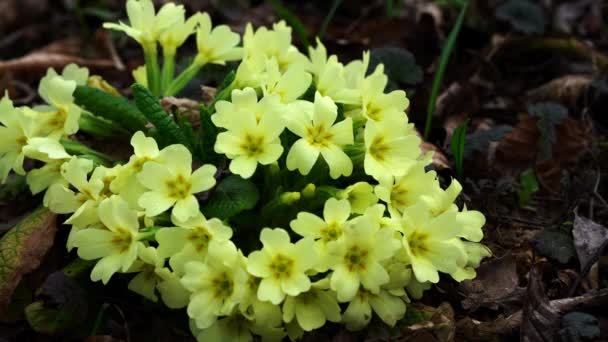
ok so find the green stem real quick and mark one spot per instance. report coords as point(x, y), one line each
point(76, 148)
point(152, 69)
point(183, 79)
point(168, 70)
point(148, 234)
point(330, 15)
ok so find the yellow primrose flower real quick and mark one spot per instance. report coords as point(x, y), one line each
point(335, 217)
point(354, 71)
point(152, 276)
point(60, 117)
point(145, 149)
point(172, 182)
point(376, 105)
point(403, 191)
point(320, 134)
point(358, 255)
point(281, 265)
point(249, 141)
point(429, 242)
point(475, 253)
point(60, 198)
point(217, 45)
point(242, 100)
point(391, 150)
point(216, 285)
point(329, 76)
point(274, 43)
point(313, 308)
point(15, 132)
point(175, 35)
point(145, 26)
point(360, 195)
point(236, 327)
point(289, 85)
point(389, 308)
point(54, 155)
point(116, 246)
point(191, 239)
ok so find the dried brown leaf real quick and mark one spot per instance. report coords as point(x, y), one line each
point(567, 89)
point(439, 327)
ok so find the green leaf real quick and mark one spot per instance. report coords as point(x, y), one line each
point(165, 126)
point(232, 196)
point(458, 141)
point(114, 108)
point(523, 15)
point(549, 116)
point(555, 244)
point(23, 247)
point(224, 90)
point(444, 59)
point(399, 65)
point(529, 185)
point(578, 326)
point(207, 137)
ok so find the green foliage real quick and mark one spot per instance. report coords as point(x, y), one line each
point(480, 141)
point(232, 196)
point(549, 115)
point(399, 65)
point(328, 18)
point(444, 59)
point(458, 141)
point(523, 15)
point(114, 108)
point(166, 127)
point(224, 90)
point(529, 185)
point(75, 148)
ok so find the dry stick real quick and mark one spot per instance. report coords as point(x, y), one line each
point(512, 322)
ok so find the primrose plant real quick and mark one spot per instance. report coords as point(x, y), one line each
point(299, 195)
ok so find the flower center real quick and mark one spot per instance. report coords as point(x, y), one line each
point(57, 119)
point(418, 243)
point(373, 112)
point(179, 187)
point(21, 142)
point(331, 232)
point(199, 238)
point(252, 145)
point(319, 136)
point(122, 239)
point(379, 148)
point(356, 258)
point(281, 266)
point(398, 196)
point(139, 163)
point(223, 286)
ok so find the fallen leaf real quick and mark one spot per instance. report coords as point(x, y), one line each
point(540, 318)
point(590, 239)
point(22, 249)
point(550, 115)
point(583, 17)
point(523, 15)
point(569, 89)
point(496, 285)
point(399, 66)
point(439, 327)
point(555, 244)
point(578, 326)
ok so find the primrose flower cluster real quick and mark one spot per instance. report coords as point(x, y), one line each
point(346, 222)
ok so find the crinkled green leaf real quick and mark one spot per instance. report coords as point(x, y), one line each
point(22, 249)
point(399, 65)
point(165, 126)
point(232, 196)
point(114, 108)
point(523, 15)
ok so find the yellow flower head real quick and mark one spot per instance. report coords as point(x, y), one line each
point(216, 285)
point(217, 45)
point(115, 245)
point(357, 258)
point(54, 155)
point(171, 182)
point(175, 35)
point(282, 265)
point(360, 195)
point(316, 125)
point(145, 26)
point(313, 308)
point(288, 85)
point(388, 307)
point(376, 105)
point(391, 149)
